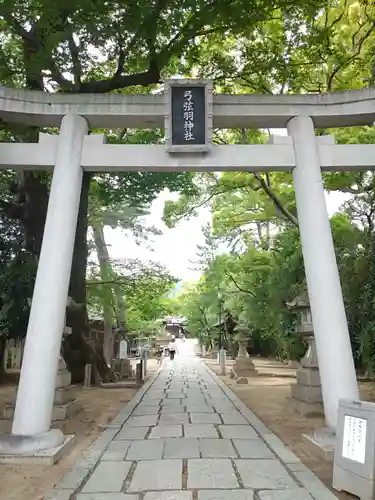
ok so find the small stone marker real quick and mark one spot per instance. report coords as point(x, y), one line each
point(87, 381)
point(354, 464)
point(123, 351)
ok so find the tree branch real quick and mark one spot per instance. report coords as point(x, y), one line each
point(74, 52)
point(249, 292)
point(339, 67)
point(121, 62)
point(149, 77)
point(16, 26)
point(278, 204)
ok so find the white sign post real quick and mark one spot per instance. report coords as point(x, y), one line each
point(354, 462)
point(354, 439)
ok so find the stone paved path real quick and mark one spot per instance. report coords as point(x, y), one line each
point(186, 436)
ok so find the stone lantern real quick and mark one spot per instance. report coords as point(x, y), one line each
point(243, 365)
point(308, 387)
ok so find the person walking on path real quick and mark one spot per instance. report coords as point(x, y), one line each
point(172, 348)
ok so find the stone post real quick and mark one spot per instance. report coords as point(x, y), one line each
point(243, 365)
point(32, 419)
point(139, 372)
point(223, 360)
point(87, 381)
point(144, 359)
point(336, 366)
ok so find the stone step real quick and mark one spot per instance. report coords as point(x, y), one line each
point(306, 393)
point(63, 395)
point(63, 379)
point(60, 412)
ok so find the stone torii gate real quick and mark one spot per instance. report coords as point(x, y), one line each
point(189, 111)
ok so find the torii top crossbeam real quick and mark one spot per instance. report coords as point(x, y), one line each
point(339, 109)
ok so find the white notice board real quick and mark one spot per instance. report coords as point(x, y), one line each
point(354, 439)
point(123, 351)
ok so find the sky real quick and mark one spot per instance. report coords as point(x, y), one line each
point(177, 247)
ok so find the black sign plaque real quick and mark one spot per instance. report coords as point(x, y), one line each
point(188, 115)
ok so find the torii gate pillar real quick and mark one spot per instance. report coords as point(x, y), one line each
point(32, 420)
point(336, 366)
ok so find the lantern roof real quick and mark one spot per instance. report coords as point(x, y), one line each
point(300, 302)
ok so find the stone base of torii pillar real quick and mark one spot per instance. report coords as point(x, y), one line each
point(65, 404)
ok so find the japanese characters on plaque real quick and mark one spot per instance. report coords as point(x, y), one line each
point(188, 108)
point(354, 439)
point(188, 115)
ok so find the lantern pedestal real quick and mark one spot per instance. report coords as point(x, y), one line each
point(308, 387)
point(243, 365)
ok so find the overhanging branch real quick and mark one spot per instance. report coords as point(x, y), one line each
point(276, 201)
point(148, 77)
point(249, 292)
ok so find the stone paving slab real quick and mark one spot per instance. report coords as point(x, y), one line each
point(201, 431)
point(106, 496)
point(199, 408)
point(107, 477)
point(169, 495)
point(150, 449)
point(166, 431)
point(132, 433)
point(172, 402)
point(225, 409)
point(116, 451)
point(233, 419)
point(145, 410)
point(186, 436)
point(262, 474)
point(174, 418)
point(298, 494)
point(205, 418)
point(157, 475)
point(237, 431)
point(182, 448)
point(211, 473)
point(227, 495)
point(172, 409)
point(217, 448)
point(145, 421)
point(252, 448)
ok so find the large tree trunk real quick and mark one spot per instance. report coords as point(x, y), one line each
point(106, 275)
point(78, 350)
point(33, 199)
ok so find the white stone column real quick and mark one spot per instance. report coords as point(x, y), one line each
point(336, 366)
point(36, 389)
point(223, 361)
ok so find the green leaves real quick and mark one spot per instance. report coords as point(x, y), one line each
point(143, 285)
